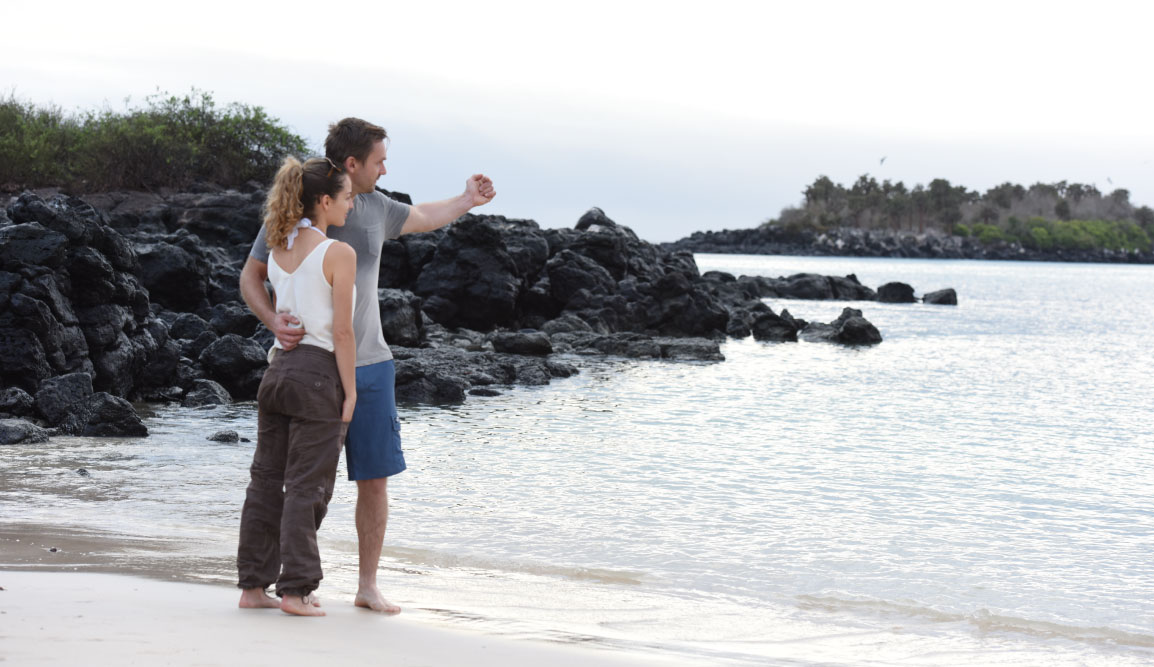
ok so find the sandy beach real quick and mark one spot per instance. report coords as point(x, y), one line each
point(65, 618)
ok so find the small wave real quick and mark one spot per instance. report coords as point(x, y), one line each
point(438, 559)
point(981, 619)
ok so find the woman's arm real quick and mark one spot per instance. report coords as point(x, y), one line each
point(340, 267)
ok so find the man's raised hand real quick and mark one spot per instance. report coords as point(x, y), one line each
point(480, 189)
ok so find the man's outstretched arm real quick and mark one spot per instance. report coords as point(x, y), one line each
point(434, 215)
point(284, 326)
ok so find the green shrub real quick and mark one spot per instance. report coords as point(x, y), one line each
point(961, 230)
point(987, 234)
point(1040, 239)
point(171, 141)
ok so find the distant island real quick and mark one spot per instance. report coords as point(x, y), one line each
point(1045, 221)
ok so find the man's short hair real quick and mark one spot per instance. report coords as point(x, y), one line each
point(352, 137)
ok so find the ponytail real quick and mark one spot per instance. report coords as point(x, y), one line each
point(295, 190)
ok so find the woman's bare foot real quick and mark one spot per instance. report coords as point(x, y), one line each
point(256, 598)
point(299, 606)
point(370, 598)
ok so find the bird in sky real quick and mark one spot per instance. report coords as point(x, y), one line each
point(883, 160)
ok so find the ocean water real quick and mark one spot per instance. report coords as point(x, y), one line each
point(976, 490)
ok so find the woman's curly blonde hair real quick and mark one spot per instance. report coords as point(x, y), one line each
point(295, 190)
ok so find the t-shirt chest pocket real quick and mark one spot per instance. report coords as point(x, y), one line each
point(372, 238)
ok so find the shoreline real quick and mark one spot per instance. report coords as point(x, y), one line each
point(52, 618)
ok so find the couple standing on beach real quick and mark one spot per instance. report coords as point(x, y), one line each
point(331, 375)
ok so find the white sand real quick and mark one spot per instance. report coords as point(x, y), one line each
point(53, 618)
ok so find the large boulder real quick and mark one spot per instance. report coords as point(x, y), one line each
point(236, 363)
point(850, 328)
point(19, 431)
point(110, 415)
point(30, 244)
point(471, 280)
point(233, 318)
point(206, 392)
point(522, 342)
point(15, 402)
point(896, 293)
point(943, 297)
point(63, 401)
point(23, 362)
point(172, 275)
point(766, 325)
point(569, 272)
point(401, 317)
point(189, 326)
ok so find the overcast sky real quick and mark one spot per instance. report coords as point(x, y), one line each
point(672, 117)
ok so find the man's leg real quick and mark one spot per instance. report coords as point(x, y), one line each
point(372, 519)
point(373, 454)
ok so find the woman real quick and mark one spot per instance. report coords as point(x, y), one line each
point(307, 395)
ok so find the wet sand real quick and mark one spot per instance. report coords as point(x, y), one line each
point(63, 618)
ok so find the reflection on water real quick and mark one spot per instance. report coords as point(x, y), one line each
point(973, 490)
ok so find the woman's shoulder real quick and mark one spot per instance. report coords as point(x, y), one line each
point(339, 253)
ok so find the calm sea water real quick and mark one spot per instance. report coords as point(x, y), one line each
point(974, 490)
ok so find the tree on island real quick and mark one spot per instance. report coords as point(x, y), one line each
point(1043, 216)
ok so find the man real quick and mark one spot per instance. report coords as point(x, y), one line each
point(373, 446)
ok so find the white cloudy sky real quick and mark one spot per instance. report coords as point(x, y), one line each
point(671, 116)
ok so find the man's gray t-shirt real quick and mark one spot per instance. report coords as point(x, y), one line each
point(374, 219)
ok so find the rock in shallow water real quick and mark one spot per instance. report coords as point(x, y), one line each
point(18, 431)
point(896, 293)
point(206, 392)
point(850, 328)
point(225, 436)
point(943, 297)
point(110, 415)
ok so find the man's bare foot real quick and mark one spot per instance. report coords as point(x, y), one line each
point(256, 598)
point(312, 599)
point(370, 598)
point(298, 606)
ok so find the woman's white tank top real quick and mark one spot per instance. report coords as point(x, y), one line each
point(307, 295)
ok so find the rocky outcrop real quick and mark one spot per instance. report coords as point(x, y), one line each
point(138, 293)
point(848, 242)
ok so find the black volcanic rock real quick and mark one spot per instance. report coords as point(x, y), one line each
point(110, 415)
point(15, 402)
point(850, 328)
point(471, 281)
point(31, 244)
point(236, 363)
point(944, 297)
point(233, 318)
point(401, 317)
point(206, 392)
point(766, 325)
point(172, 275)
point(19, 431)
point(569, 272)
point(63, 401)
point(518, 342)
point(188, 326)
point(896, 293)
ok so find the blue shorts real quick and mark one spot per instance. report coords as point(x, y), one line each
point(373, 444)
